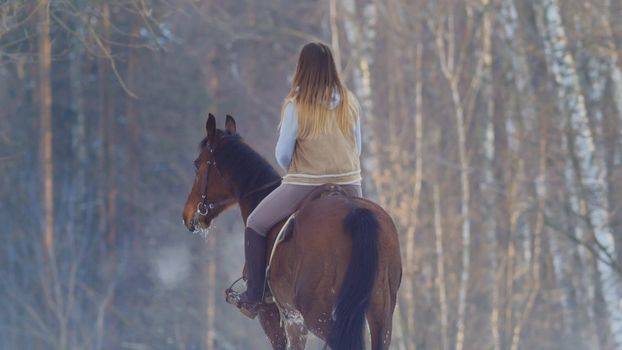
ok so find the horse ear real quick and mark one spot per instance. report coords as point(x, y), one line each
point(210, 127)
point(230, 125)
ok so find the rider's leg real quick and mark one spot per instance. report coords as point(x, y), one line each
point(277, 206)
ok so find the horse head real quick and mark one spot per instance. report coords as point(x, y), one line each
point(212, 191)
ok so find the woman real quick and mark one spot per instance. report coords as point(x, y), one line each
point(319, 142)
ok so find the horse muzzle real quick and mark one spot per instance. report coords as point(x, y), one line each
point(198, 222)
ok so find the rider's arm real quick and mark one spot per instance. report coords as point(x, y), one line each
point(287, 137)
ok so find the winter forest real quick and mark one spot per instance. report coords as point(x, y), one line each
point(492, 134)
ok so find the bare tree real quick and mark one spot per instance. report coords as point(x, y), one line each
point(589, 168)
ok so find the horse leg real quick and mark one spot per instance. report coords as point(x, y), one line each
point(270, 320)
point(380, 328)
point(295, 328)
point(296, 336)
point(380, 320)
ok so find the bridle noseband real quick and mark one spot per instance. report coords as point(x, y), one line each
point(208, 206)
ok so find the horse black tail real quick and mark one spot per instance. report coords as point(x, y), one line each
point(346, 332)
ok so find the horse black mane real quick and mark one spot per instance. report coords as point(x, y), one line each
point(247, 169)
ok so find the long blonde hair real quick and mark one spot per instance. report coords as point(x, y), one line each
point(315, 82)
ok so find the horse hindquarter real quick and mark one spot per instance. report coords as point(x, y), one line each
point(327, 270)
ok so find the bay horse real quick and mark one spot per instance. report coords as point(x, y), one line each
point(339, 266)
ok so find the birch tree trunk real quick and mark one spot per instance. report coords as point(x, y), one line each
point(521, 72)
point(360, 30)
point(598, 329)
point(588, 167)
point(612, 54)
point(610, 59)
point(490, 204)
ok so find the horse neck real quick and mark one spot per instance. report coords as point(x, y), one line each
point(246, 208)
point(249, 203)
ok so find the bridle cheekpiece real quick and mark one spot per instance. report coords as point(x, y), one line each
point(205, 206)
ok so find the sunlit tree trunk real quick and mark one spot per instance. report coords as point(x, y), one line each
point(451, 67)
point(107, 165)
point(440, 269)
point(210, 337)
point(103, 72)
point(132, 142)
point(514, 322)
point(210, 270)
point(45, 115)
point(106, 170)
point(410, 261)
point(501, 161)
point(109, 117)
point(50, 281)
point(533, 290)
point(334, 32)
point(464, 207)
point(490, 139)
point(466, 225)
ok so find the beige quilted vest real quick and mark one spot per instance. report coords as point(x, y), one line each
point(326, 158)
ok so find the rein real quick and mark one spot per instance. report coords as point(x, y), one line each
point(208, 206)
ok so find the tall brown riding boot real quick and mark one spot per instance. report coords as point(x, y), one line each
point(255, 254)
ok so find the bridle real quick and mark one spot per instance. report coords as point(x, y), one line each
point(205, 206)
point(204, 203)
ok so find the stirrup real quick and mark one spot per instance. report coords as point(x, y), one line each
point(232, 297)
